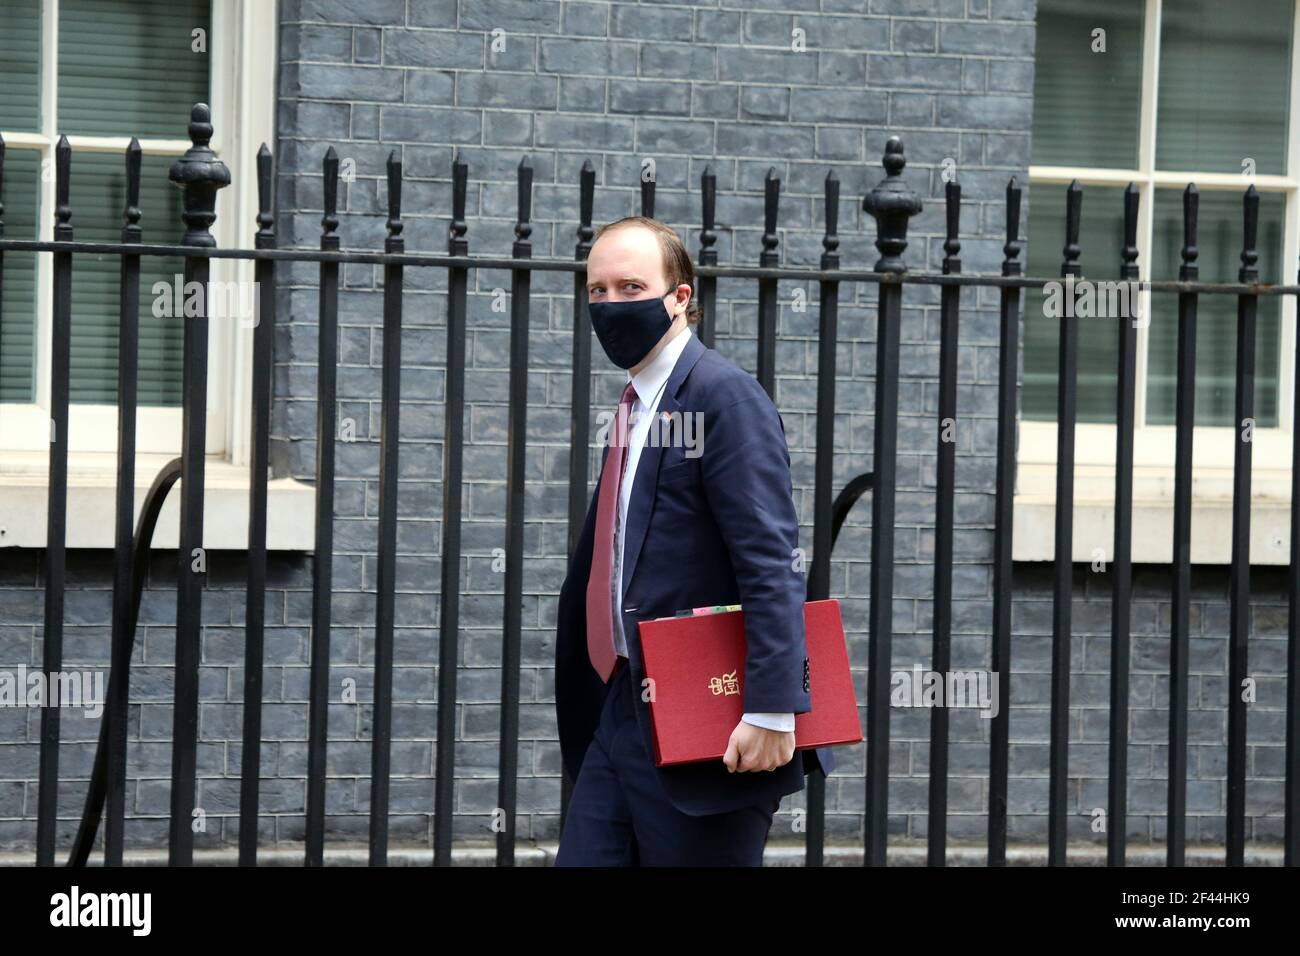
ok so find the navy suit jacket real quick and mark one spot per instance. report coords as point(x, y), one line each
point(716, 528)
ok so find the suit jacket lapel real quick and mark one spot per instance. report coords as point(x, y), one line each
point(641, 504)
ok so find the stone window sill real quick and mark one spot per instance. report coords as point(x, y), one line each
point(92, 480)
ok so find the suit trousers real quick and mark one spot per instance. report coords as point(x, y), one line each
point(620, 815)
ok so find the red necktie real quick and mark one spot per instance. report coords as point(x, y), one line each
point(600, 586)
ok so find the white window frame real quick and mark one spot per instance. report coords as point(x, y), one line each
point(242, 86)
point(1213, 447)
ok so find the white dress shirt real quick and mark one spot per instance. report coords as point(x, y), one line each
point(648, 385)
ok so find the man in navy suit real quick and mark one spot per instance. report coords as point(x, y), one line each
point(705, 517)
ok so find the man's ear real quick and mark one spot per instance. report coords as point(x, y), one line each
point(673, 293)
point(677, 302)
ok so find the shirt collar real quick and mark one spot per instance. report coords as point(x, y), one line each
point(650, 379)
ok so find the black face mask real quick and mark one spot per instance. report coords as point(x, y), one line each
point(629, 330)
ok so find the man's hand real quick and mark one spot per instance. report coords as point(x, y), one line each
point(757, 748)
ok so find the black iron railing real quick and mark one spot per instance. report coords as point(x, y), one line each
point(201, 173)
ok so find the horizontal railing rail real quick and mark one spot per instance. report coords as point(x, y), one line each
point(433, 260)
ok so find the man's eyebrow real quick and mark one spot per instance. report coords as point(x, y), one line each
point(626, 278)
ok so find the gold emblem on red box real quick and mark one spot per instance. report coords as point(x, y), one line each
point(726, 684)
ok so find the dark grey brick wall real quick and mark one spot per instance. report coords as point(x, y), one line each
point(284, 714)
point(689, 85)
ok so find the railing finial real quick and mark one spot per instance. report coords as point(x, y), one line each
point(62, 190)
point(708, 209)
point(523, 247)
point(1011, 250)
point(831, 238)
point(329, 219)
point(1189, 271)
point(265, 238)
point(892, 204)
point(1129, 254)
point(952, 242)
point(457, 245)
point(1249, 271)
point(200, 173)
point(131, 214)
point(1073, 217)
point(771, 205)
point(394, 241)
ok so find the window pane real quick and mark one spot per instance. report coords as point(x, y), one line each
point(1219, 241)
point(1224, 85)
point(98, 200)
point(1101, 236)
point(1087, 84)
point(127, 69)
point(18, 293)
point(20, 64)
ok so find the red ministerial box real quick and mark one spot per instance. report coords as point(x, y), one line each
point(697, 665)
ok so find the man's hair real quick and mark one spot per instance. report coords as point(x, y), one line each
point(678, 267)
